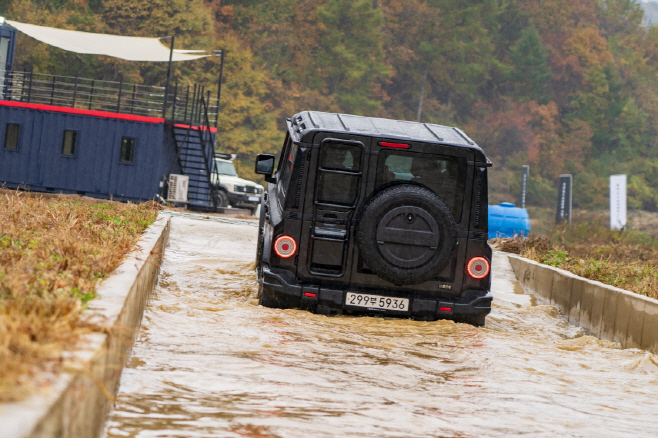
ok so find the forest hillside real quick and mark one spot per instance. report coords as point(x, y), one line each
point(566, 86)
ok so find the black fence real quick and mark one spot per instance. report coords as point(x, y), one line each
point(182, 103)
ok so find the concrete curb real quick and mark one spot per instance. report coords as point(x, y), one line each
point(77, 403)
point(603, 311)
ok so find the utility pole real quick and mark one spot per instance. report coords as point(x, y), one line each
point(219, 86)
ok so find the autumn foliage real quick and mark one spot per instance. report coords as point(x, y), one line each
point(567, 86)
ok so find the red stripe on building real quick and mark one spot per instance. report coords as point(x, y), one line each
point(82, 112)
point(196, 128)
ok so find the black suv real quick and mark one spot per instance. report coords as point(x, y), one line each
point(374, 216)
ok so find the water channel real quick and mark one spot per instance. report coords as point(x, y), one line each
point(210, 362)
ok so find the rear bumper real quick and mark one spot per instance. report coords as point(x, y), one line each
point(331, 301)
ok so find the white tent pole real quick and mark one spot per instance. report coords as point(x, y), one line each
point(171, 54)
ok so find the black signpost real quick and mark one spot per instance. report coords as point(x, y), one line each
point(525, 174)
point(564, 200)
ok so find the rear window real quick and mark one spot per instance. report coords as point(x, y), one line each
point(445, 176)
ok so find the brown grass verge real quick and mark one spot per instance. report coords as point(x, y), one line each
point(627, 259)
point(53, 252)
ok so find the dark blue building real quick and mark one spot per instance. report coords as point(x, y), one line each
point(101, 154)
point(51, 149)
point(102, 138)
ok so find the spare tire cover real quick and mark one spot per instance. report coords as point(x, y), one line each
point(406, 234)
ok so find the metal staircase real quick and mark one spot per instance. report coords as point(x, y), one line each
point(195, 149)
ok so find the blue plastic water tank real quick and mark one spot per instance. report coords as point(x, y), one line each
point(507, 220)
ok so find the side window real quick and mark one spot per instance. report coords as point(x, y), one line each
point(288, 161)
point(294, 184)
point(69, 142)
point(339, 173)
point(284, 168)
point(11, 136)
point(284, 153)
point(127, 150)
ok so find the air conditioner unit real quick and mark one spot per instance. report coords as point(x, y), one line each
point(178, 188)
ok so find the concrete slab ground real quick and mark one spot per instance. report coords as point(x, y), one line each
point(544, 284)
point(624, 306)
point(524, 271)
point(603, 311)
point(609, 323)
point(576, 301)
point(596, 296)
point(561, 291)
point(650, 326)
point(636, 316)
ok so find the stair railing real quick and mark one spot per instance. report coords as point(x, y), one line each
point(208, 150)
point(179, 150)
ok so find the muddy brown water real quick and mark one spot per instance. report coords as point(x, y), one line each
point(210, 362)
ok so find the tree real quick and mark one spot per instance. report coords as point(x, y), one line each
point(531, 73)
point(349, 58)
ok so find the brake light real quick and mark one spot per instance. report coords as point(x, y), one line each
point(285, 247)
point(478, 267)
point(387, 144)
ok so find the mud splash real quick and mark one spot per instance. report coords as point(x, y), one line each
point(211, 363)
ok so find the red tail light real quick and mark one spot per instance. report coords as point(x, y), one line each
point(386, 144)
point(285, 247)
point(478, 267)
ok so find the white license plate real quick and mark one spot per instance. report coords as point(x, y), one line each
point(254, 198)
point(376, 301)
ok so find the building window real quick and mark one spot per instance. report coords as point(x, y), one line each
point(68, 145)
point(127, 149)
point(11, 136)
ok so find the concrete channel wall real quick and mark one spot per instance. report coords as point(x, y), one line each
point(603, 311)
point(77, 402)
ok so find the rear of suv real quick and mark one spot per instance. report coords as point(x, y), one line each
point(375, 216)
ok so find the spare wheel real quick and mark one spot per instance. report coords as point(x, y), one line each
point(406, 234)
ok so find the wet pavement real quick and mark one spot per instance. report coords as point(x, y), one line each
point(210, 362)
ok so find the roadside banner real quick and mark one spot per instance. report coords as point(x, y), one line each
point(617, 202)
point(525, 174)
point(564, 200)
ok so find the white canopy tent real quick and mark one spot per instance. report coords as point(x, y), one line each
point(123, 47)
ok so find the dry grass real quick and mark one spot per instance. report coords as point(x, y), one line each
point(542, 220)
point(53, 252)
point(626, 259)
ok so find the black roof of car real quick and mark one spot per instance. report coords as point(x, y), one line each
point(304, 125)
